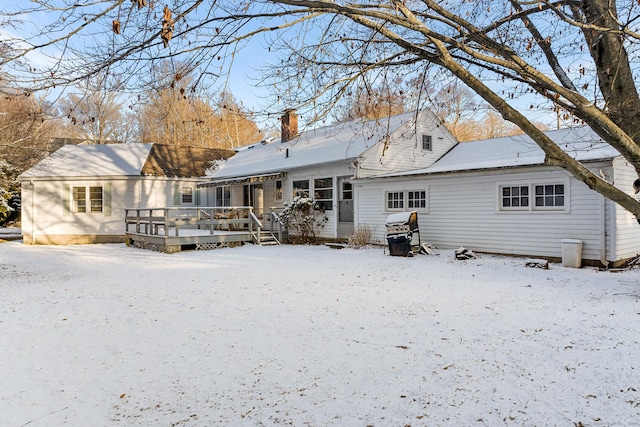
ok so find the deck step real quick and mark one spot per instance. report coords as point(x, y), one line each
point(268, 239)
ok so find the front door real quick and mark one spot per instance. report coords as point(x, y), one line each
point(345, 208)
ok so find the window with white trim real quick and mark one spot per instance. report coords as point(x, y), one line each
point(416, 199)
point(301, 188)
point(533, 196)
point(79, 200)
point(395, 200)
point(278, 195)
point(426, 143)
point(549, 196)
point(323, 193)
point(95, 199)
point(515, 197)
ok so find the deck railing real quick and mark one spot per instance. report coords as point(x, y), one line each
point(277, 223)
point(165, 221)
point(255, 228)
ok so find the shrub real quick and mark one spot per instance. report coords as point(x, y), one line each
point(304, 219)
point(361, 236)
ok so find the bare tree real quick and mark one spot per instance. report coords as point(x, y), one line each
point(97, 112)
point(576, 56)
point(234, 127)
point(175, 112)
point(26, 136)
point(371, 102)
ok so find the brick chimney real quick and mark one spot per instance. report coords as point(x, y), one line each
point(289, 125)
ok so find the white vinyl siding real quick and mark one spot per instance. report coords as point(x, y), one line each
point(329, 171)
point(52, 204)
point(624, 228)
point(403, 150)
point(463, 210)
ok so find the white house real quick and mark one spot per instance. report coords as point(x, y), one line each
point(79, 193)
point(325, 163)
point(498, 196)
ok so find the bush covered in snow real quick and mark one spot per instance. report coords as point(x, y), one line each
point(9, 193)
point(304, 218)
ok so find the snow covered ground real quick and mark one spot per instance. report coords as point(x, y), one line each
point(102, 335)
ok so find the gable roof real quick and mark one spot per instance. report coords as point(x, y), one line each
point(581, 143)
point(324, 145)
point(100, 160)
point(92, 160)
point(172, 161)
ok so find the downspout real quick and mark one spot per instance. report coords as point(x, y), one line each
point(603, 226)
point(603, 232)
point(140, 191)
point(33, 213)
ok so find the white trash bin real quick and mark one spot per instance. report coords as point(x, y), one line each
point(572, 253)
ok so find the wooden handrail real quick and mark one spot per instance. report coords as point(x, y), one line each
point(253, 219)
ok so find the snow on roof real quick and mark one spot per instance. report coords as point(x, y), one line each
point(582, 143)
point(313, 147)
point(92, 160)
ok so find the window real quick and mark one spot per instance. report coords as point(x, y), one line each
point(301, 188)
point(323, 193)
point(395, 200)
point(417, 199)
point(347, 191)
point(532, 197)
point(279, 190)
point(516, 197)
point(426, 143)
point(79, 199)
point(551, 195)
point(410, 200)
point(187, 194)
point(95, 199)
point(223, 196)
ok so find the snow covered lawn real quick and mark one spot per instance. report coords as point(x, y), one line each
point(104, 335)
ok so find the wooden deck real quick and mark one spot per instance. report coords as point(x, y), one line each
point(172, 230)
